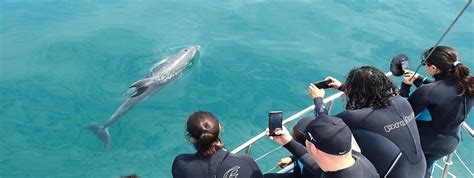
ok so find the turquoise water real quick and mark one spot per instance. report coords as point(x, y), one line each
point(66, 65)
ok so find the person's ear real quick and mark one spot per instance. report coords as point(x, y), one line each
point(310, 147)
point(435, 69)
point(192, 140)
point(221, 128)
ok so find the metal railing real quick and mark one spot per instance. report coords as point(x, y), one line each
point(248, 144)
point(329, 103)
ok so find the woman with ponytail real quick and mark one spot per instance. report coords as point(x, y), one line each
point(210, 159)
point(442, 104)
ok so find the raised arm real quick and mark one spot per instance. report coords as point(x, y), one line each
point(317, 95)
point(299, 151)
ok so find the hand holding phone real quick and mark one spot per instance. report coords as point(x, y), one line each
point(323, 84)
point(275, 120)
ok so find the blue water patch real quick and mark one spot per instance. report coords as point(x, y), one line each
point(65, 65)
point(424, 116)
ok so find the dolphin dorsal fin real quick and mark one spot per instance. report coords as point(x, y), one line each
point(139, 91)
point(140, 83)
point(140, 86)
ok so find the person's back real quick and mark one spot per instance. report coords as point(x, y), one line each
point(372, 105)
point(198, 165)
point(441, 105)
point(397, 124)
point(211, 159)
point(328, 149)
point(445, 115)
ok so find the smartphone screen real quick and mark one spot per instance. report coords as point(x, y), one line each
point(275, 119)
point(323, 84)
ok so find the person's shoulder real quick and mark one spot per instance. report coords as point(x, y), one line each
point(432, 85)
point(244, 157)
point(355, 116)
point(184, 157)
point(181, 163)
point(439, 88)
point(400, 99)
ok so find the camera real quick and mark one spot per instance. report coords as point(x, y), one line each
point(399, 64)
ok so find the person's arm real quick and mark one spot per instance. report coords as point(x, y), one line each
point(409, 80)
point(299, 151)
point(420, 80)
point(405, 90)
point(317, 95)
point(284, 138)
point(420, 99)
point(336, 84)
point(319, 107)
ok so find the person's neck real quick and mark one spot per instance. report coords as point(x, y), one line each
point(336, 163)
point(438, 76)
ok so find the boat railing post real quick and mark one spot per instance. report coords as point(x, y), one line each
point(248, 149)
point(329, 106)
point(447, 163)
point(467, 128)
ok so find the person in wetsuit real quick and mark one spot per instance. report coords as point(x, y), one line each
point(442, 104)
point(328, 148)
point(373, 106)
point(211, 159)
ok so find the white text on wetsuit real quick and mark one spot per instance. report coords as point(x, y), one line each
point(399, 124)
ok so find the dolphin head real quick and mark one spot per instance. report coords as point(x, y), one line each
point(189, 52)
point(186, 55)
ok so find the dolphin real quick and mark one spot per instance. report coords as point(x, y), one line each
point(160, 75)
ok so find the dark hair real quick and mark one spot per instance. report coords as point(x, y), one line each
point(368, 87)
point(443, 57)
point(203, 131)
point(298, 135)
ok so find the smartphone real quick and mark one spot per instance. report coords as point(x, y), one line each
point(323, 84)
point(275, 119)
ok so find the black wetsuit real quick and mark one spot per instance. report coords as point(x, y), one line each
point(439, 131)
point(221, 164)
point(396, 123)
point(362, 168)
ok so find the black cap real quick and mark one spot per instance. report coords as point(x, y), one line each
point(329, 134)
point(301, 125)
point(398, 64)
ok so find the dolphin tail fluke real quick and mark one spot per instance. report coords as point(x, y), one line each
point(102, 133)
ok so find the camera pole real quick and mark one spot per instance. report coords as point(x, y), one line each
point(444, 35)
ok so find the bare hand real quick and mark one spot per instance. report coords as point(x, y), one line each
point(315, 92)
point(282, 137)
point(284, 161)
point(336, 84)
point(409, 79)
